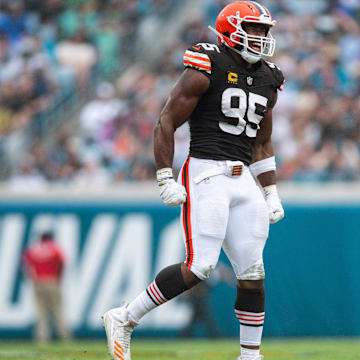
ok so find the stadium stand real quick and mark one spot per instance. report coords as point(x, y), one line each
point(82, 84)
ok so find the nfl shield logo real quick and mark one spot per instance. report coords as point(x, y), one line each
point(249, 80)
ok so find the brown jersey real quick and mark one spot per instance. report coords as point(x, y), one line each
point(225, 122)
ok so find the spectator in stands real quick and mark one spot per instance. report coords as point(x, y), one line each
point(79, 54)
point(92, 176)
point(44, 264)
point(14, 22)
point(143, 169)
point(98, 116)
point(28, 179)
point(125, 149)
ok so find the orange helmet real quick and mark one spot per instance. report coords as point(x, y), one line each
point(231, 33)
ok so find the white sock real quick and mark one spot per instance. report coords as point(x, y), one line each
point(251, 327)
point(145, 302)
point(250, 353)
point(140, 306)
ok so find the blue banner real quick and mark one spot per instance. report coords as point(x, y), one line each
point(114, 250)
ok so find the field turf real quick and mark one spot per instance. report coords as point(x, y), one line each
point(290, 349)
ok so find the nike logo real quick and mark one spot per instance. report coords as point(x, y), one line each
point(197, 48)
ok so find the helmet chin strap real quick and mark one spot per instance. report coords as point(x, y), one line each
point(250, 58)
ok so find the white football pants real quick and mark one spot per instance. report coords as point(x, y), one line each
point(226, 212)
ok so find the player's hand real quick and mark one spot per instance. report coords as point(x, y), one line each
point(276, 211)
point(171, 193)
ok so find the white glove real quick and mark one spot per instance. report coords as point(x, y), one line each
point(276, 211)
point(171, 193)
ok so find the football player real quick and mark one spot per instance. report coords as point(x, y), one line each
point(226, 92)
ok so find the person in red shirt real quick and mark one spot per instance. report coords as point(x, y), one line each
point(44, 263)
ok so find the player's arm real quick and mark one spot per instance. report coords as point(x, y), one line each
point(263, 150)
point(181, 103)
point(263, 166)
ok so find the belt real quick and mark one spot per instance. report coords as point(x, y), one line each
point(231, 169)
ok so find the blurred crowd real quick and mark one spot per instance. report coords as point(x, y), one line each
point(48, 50)
point(53, 53)
point(317, 119)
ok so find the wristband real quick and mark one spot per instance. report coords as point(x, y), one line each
point(263, 166)
point(164, 175)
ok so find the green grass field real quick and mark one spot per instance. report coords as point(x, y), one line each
point(292, 349)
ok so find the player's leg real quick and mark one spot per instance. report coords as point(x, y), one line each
point(203, 219)
point(250, 311)
point(246, 236)
point(169, 283)
point(120, 322)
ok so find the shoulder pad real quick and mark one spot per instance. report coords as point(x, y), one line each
point(279, 79)
point(199, 56)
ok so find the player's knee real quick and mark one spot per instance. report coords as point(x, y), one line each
point(202, 271)
point(254, 272)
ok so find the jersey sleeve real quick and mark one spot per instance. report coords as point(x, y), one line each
point(195, 58)
point(279, 80)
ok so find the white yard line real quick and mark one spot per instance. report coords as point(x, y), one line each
point(15, 353)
